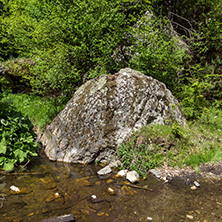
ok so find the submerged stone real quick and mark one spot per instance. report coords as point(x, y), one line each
point(103, 113)
point(111, 191)
point(65, 218)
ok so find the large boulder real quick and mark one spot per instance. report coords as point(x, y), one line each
point(103, 112)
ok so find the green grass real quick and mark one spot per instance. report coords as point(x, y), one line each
point(39, 110)
point(157, 145)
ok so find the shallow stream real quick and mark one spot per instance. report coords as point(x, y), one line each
point(49, 189)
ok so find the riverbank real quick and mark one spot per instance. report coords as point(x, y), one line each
point(205, 171)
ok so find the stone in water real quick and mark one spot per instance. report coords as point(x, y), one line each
point(132, 176)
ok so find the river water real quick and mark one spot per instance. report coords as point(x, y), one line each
point(49, 189)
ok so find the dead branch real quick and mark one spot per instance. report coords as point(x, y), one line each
point(137, 187)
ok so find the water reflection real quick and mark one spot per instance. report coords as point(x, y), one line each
point(51, 189)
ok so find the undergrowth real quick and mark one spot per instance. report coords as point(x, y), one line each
point(157, 145)
point(40, 110)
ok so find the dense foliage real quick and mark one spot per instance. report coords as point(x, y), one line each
point(16, 138)
point(49, 48)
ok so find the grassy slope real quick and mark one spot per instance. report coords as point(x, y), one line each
point(199, 142)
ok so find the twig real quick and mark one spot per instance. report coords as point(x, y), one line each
point(24, 166)
point(135, 186)
point(182, 18)
point(186, 29)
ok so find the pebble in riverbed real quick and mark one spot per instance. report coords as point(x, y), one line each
point(156, 173)
point(132, 176)
point(193, 188)
point(104, 171)
point(196, 184)
point(189, 216)
point(122, 173)
point(111, 191)
point(14, 188)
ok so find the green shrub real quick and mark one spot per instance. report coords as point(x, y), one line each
point(157, 52)
point(16, 139)
point(65, 38)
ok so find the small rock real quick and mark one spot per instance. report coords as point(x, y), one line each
point(65, 218)
point(164, 179)
point(93, 197)
point(96, 199)
point(149, 218)
point(132, 176)
point(189, 216)
point(100, 214)
point(104, 171)
point(57, 195)
point(193, 188)
point(122, 173)
point(111, 191)
point(156, 173)
point(196, 184)
point(14, 188)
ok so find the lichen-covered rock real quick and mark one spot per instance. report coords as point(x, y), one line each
point(103, 112)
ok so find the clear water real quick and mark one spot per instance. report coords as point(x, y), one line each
point(50, 189)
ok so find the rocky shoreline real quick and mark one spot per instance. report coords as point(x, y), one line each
point(207, 171)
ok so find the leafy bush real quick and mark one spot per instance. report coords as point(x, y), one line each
point(67, 38)
point(16, 139)
point(157, 51)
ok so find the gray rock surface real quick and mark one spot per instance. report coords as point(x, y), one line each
point(103, 112)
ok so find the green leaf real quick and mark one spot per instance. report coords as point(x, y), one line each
point(20, 155)
point(2, 160)
point(3, 146)
point(9, 166)
point(31, 153)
